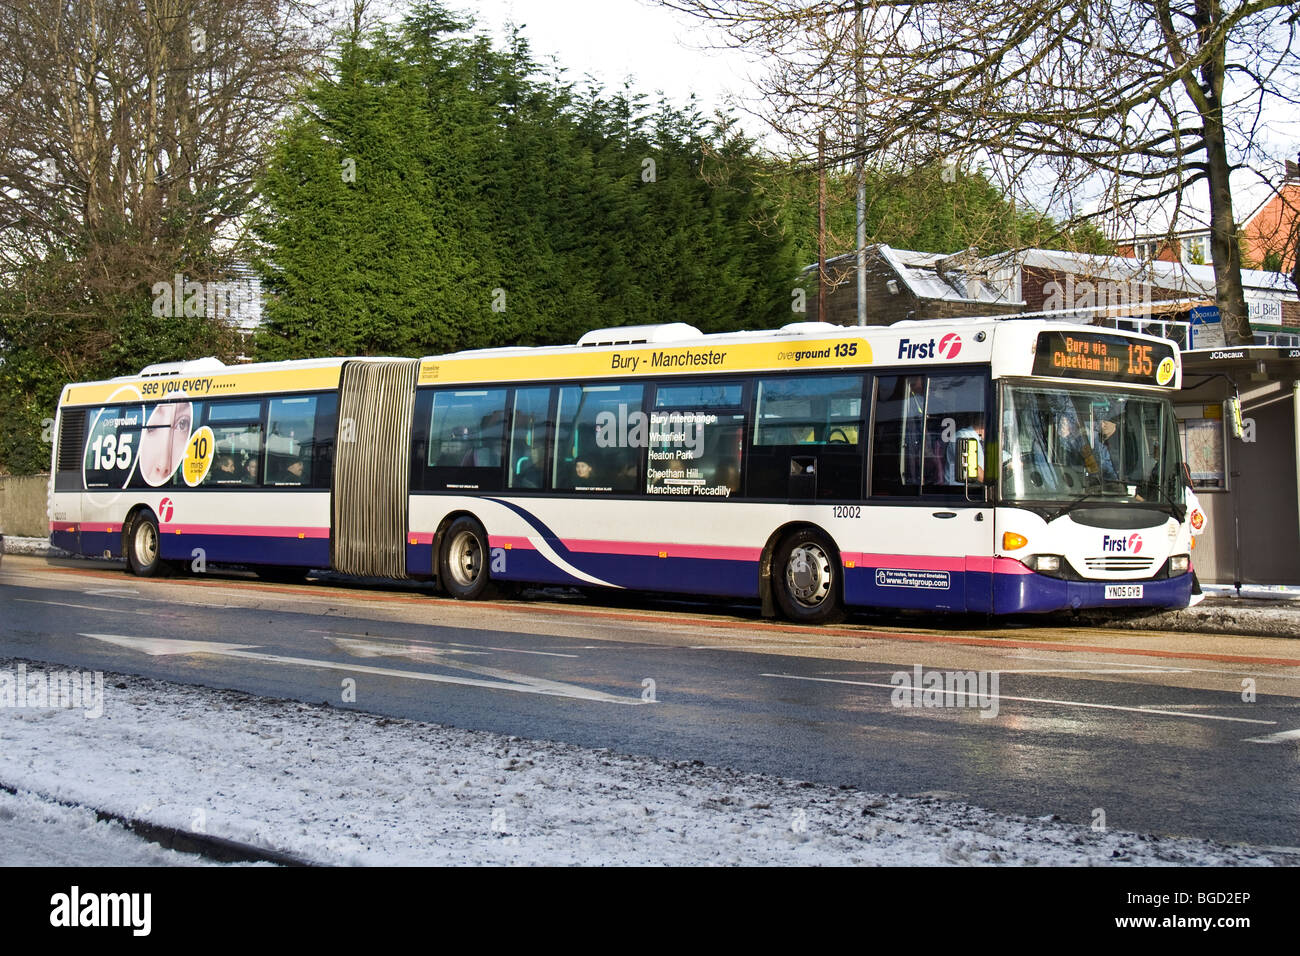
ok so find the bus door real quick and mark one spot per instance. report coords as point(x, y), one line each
point(372, 469)
point(929, 544)
point(808, 439)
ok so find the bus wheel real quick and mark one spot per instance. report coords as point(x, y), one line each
point(463, 560)
point(143, 550)
point(806, 579)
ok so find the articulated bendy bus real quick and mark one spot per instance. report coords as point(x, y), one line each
point(985, 466)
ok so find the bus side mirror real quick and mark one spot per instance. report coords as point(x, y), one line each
point(1234, 417)
point(970, 457)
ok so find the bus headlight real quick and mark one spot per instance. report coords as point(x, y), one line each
point(1180, 563)
point(1043, 563)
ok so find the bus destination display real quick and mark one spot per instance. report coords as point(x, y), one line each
point(1104, 358)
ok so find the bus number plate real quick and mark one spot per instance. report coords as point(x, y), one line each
point(1122, 592)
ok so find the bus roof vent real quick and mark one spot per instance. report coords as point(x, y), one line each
point(641, 334)
point(810, 328)
point(208, 364)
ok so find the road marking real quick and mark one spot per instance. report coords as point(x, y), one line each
point(84, 607)
point(346, 595)
point(1089, 670)
point(1282, 737)
point(160, 646)
point(505, 680)
point(477, 648)
point(763, 646)
point(1045, 700)
point(515, 650)
point(1158, 668)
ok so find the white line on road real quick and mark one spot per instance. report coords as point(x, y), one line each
point(1044, 700)
point(1283, 737)
point(520, 683)
point(1157, 667)
point(763, 646)
point(405, 643)
point(85, 607)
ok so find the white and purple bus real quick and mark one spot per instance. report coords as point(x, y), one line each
point(994, 467)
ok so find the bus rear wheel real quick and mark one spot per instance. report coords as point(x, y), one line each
point(806, 578)
point(143, 546)
point(463, 560)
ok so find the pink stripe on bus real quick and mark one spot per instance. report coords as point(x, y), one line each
point(653, 550)
point(245, 530)
point(938, 562)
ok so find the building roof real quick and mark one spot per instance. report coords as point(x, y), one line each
point(958, 277)
point(1175, 276)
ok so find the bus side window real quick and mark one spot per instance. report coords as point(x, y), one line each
point(466, 439)
point(592, 452)
point(530, 438)
point(237, 433)
point(954, 414)
point(291, 435)
point(327, 413)
point(696, 438)
point(898, 445)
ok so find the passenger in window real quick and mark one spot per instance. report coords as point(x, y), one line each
point(250, 470)
point(1079, 452)
point(625, 479)
point(290, 471)
point(225, 472)
point(1117, 450)
point(528, 471)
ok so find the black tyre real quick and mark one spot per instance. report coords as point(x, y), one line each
point(463, 560)
point(144, 546)
point(806, 578)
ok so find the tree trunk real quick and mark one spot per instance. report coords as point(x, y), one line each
point(1224, 248)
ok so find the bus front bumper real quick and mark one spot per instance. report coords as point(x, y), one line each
point(1037, 593)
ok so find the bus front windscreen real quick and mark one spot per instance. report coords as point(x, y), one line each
point(1067, 446)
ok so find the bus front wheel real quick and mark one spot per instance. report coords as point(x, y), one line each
point(806, 578)
point(143, 547)
point(463, 560)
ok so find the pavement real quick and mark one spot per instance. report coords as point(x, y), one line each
point(1254, 610)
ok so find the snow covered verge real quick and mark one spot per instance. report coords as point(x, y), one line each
point(347, 788)
point(35, 831)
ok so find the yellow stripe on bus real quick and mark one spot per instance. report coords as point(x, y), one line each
point(216, 385)
point(724, 357)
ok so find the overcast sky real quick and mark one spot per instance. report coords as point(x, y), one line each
point(659, 48)
point(662, 50)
